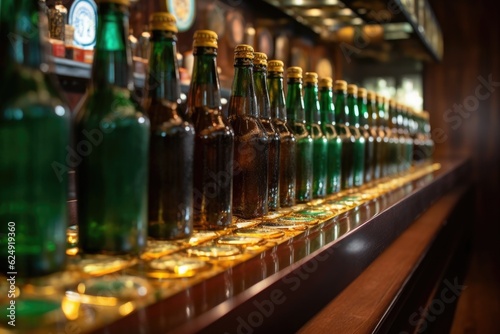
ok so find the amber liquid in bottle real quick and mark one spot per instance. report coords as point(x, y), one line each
point(251, 146)
point(274, 142)
point(288, 143)
point(214, 139)
point(170, 200)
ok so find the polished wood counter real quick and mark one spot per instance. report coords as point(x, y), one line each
point(281, 289)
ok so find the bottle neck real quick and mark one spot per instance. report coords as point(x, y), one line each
point(393, 118)
point(23, 34)
point(277, 96)
point(112, 58)
point(205, 88)
point(261, 92)
point(326, 105)
point(363, 112)
point(372, 113)
point(243, 101)
point(381, 114)
point(294, 101)
point(341, 109)
point(163, 77)
point(311, 104)
point(352, 105)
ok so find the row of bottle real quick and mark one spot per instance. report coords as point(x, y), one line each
point(156, 173)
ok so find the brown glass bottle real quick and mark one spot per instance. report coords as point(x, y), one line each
point(251, 149)
point(288, 143)
point(214, 139)
point(170, 195)
point(263, 105)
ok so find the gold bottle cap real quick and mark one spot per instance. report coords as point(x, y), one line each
point(119, 2)
point(259, 58)
point(352, 89)
point(371, 95)
point(294, 72)
point(163, 21)
point(392, 103)
point(340, 85)
point(243, 51)
point(205, 38)
point(380, 98)
point(311, 77)
point(326, 82)
point(362, 92)
point(275, 66)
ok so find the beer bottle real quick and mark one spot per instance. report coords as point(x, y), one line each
point(426, 128)
point(288, 143)
point(372, 107)
point(170, 191)
point(112, 136)
point(383, 133)
point(393, 155)
point(342, 121)
point(320, 143)
point(401, 167)
point(409, 140)
point(367, 134)
point(214, 139)
point(264, 108)
point(297, 121)
point(251, 144)
point(333, 157)
point(34, 134)
point(359, 144)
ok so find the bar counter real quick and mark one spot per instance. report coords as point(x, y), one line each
point(269, 275)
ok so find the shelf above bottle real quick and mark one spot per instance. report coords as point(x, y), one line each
point(72, 69)
point(380, 29)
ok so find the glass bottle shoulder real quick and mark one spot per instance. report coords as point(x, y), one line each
point(166, 121)
point(210, 122)
point(110, 108)
point(30, 94)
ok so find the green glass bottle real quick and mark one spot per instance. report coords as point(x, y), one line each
point(297, 121)
point(359, 144)
point(383, 133)
point(264, 108)
point(170, 187)
point(320, 142)
point(393, 156)
point(367, 134)
point(348, 139)
point(214, 139)
point(372, 108)
point(251, 144)
point(288, 143)
point(429, 143)
point(112, 135)
point(334, 155)
point(34, 138)
point(401, 138)
point(408, 137)
point(405, 137)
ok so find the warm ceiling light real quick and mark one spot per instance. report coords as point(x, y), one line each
point(313, 12)
point(329, 22)
point(345, 12)
point(356, 21)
